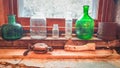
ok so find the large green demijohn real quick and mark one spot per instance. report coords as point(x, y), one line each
point(12, 30)
point(85, 25)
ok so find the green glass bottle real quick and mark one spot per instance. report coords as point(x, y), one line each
point(85, 25)
point(12, 30)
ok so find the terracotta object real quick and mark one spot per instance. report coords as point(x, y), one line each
point(70, 46)
point(38, 48)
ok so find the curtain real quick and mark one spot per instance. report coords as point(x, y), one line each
point(107, 10)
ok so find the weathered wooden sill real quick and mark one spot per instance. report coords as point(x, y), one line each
point(15, 49)
point(55, 43)
point(58, 54)
point(61, 38)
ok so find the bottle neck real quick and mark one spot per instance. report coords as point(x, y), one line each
point(85, 9)
point(11, 19)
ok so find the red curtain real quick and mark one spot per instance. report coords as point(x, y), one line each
point(106, 12)
point(1, 13)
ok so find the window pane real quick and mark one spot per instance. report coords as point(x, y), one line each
point(54, 8)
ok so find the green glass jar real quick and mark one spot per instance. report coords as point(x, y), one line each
point(85, 25)
point(12, 30)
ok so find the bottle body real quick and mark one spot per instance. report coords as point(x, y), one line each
point(38, 27)
point(85, 25)
point(68, 28)
point(12, 30)
point(55, 31)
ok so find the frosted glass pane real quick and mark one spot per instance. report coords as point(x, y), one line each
point(53, 8)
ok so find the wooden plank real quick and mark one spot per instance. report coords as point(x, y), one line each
point(57, 54)
point(56, 43)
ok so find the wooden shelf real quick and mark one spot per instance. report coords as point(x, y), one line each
point(55, 43)
point(57, 54)
point(61, 38)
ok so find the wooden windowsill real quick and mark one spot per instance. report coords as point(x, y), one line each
point(56, 43)
point(60, 38)
point(50, 38)
point(58, 54)
point(15, 49)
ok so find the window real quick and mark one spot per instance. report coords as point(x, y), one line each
point(56, 8)
point(107, 14)
point(101, 10)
